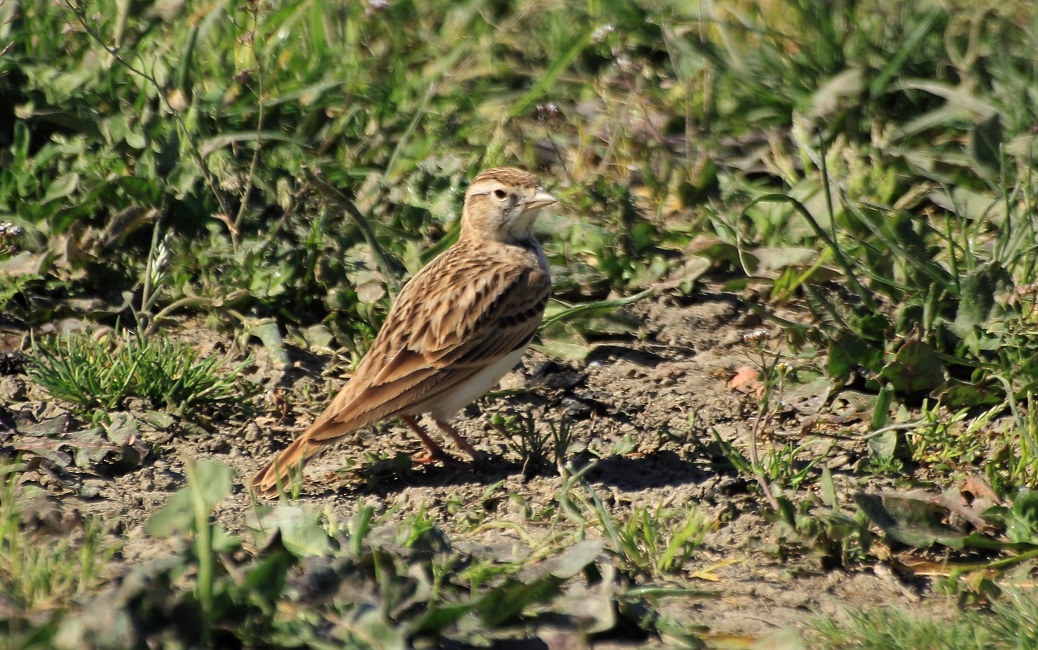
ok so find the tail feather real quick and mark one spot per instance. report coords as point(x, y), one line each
point(283, 467)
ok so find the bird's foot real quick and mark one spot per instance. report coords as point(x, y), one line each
point(438, 456)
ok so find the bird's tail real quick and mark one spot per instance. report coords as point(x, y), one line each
point(284, 467)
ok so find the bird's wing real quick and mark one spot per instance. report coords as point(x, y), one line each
point(435, 339)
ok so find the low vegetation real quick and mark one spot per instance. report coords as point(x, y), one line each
point(861, 175)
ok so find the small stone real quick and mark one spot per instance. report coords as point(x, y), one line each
point(11, 390)
point(251, 432)
point(576, 409)
point(671, 371)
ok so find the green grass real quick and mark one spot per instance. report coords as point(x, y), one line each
point(103, 374)
point(537, 450)
point(364, 583)
point(861, 174)
point(43, 567)
point(893, 629)
point(658, 541)
point(1010, 624)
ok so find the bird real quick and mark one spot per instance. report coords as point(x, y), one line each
point(460, 324)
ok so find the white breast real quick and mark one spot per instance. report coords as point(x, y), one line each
point(473, 389)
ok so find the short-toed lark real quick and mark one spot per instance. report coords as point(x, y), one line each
point(455, 329)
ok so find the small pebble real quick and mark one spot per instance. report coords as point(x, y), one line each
point(251, 432)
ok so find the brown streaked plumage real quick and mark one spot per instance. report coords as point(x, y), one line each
point(461, 323)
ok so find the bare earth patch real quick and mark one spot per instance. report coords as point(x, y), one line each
point(659, 400)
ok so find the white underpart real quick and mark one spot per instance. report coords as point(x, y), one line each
point(474, 388)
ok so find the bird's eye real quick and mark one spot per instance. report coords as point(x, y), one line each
point(501, 194)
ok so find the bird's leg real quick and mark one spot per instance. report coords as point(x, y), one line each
point(435, 451)
point(459, 440)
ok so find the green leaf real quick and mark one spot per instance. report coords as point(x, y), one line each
point(370, 627)
point(957, 392)
point(550, 76)
point(916, 368)
point(215, 143)
point(828, 488)
point(908, 520)
point(224, 542)
point(504, 603)
point(592, 605)
point(1023, 526)
point(573, 347)
point(123, 428)
point(976, 206)
point(555, 314)
point(178, 515)
point(849, 352)
point(61, 187)
point(883, 447)
point(439, 617)
point(270, 334)
point(872, 327)
point(301, 532)
point(986, 142)
point(268, 577)
point(879, 83)
point(881, 412)
point(159, 419)
point(978, 307)
point(565, 565)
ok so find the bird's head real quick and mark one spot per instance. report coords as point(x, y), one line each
point(501, 204)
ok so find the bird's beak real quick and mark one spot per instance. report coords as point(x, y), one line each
point(539, 200)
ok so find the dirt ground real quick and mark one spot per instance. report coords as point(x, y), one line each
point(666, 390)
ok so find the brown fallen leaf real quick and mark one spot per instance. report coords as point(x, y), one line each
point(746, 380)
point(949, 501)
point(974, 487)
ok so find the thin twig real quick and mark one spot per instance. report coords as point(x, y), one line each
point(259, 94)
point(385, 265)
point(192, 301)
point(758, 424)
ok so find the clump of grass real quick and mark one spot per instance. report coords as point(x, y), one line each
point(658, 541)
point(654, 541)
point(105, 373)
point(892, 629)
point(536, 449)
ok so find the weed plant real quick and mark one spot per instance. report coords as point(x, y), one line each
point(103, 373)
point(42, 570)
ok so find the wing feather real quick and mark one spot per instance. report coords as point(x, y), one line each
point(437, 343)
